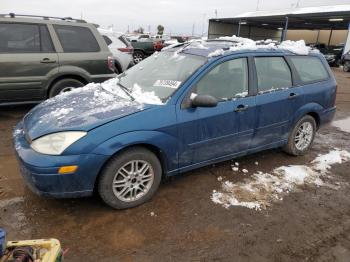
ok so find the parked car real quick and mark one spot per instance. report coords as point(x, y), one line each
point(178, 110)
point(345, 61)
point(332, 53)
point(121, 49)
point(41, 57)
point(143, 48)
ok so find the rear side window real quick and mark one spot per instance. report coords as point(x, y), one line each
point(273, 73)
point(310, 69)
point(226, 81)
point(24, 38)
point(76, 39)
point(107, 40)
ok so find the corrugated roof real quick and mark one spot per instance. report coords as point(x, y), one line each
point(297, 11)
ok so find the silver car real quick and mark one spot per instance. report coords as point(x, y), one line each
point(121, 49)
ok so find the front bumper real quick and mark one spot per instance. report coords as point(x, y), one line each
point(41, 171)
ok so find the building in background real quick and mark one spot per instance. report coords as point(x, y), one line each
point(327, 25)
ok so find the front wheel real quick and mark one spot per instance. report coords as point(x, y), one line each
point(346, 66)
point(301, 137)
point(130, 179)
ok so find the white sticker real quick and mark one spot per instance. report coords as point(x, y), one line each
point(167, 83)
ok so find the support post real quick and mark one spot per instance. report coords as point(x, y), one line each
point(318, 36)
point(285, 30)
point(239, 28)
point(330, 37)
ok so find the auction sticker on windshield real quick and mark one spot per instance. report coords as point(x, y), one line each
point(168, 83)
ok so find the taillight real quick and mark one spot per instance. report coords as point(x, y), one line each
point(110, 63)
point(129, 50)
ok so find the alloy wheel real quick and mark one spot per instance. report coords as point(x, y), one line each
point(304, 136)
point(133, 180)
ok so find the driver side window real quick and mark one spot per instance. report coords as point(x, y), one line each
point(225, 81)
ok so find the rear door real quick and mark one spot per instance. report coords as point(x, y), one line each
point(82, 52)
point(27, 60)
point(207, 134)
point(276, 100)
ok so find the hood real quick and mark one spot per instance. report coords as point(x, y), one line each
point(81, 109)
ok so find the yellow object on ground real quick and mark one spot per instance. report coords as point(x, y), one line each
point(47, 250)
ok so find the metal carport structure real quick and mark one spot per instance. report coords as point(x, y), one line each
point(275, 24)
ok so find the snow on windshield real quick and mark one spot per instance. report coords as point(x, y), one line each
point(241, 43)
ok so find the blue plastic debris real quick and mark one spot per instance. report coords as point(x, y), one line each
point(2, 242)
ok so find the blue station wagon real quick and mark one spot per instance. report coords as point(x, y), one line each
point(180, 109)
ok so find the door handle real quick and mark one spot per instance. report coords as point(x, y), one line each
point(292, 95)
point(241, 108)
point(47, 61)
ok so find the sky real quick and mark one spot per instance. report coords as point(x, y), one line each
point(178, 17)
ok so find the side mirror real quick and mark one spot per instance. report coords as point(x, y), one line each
point(204, 101)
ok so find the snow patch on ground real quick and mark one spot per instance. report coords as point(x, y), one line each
point(261, 189)
point(343, 124)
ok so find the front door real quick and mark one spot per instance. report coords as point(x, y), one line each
point(209, 134)
point(27, 59)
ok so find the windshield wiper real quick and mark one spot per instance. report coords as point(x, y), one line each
point(127, 91)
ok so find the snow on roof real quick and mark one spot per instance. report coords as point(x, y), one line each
point(297, 11)
point(241, 43)
point(228, 44)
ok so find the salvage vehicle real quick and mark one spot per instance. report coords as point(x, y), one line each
point(144, 48)
point(121, 49)
point(41, 57)
point(332, 53)
point(345, 61)
point(180, 109)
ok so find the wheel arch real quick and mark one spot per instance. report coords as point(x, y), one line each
point(118, 66)
point(312, 109)
point(65, 76)
point(152, 148)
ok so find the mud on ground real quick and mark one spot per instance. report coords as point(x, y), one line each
point(181, 223)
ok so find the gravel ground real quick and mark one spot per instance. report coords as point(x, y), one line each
point(181, 223)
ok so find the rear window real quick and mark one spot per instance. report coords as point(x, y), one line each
point(24, 38)
point(76, 39)
point(273, 74)
point(310, 69)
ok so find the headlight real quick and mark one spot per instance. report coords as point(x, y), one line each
point(56, 143)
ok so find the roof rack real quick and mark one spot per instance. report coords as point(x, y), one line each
point(70, 19)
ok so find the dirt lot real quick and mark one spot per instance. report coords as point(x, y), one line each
point(181, 223)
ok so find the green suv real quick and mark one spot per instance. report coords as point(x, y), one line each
point(41, 57)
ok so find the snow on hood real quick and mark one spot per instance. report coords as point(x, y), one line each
point(261, 189)
point(85, 108)
point(241, 43)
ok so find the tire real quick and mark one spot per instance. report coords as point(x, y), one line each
point(119, 169)
point(346, 67)
point(64, 85)
point(297, 149)
point(138, 56)
point(117, 69)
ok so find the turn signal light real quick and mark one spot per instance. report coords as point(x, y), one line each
point(67, 169)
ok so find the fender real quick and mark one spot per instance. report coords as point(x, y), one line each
point(307, 109)
point(68, 70)
point(165, 143)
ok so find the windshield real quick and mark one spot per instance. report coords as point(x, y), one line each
point(161, 73)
